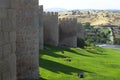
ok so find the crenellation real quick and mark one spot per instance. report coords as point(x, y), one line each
point(73, 20)
point(51, 14)
point(56, 13)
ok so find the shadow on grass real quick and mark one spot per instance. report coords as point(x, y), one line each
point(60, 49)
point(96, 50)
point(79, 53)
point(58, 67)
point(51, 53)
point(42, 78)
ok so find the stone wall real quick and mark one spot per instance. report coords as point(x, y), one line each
point(116, 32)
point(27, 39)
point(80, 31)
point(51, 31)
point(68, 32)
point(7, 40)
point(41, 27)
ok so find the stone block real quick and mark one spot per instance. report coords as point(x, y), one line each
point(6, 75)
point(3, 13)
point(6, 23)
point(12, 62)
point(6, 50)
point(13, 46)
point(12, 36)
point(6, 37)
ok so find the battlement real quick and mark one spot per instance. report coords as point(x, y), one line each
point(41, 7)
point(51, 13)
point(68, 20)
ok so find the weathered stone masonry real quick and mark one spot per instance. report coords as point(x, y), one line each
point(68, 32)
point(27, 42)
point(7, 40)
point(41, 42)
point(22, 28)
point(51, 30)
point(80, 31)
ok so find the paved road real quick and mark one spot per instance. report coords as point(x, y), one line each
point(109, 46)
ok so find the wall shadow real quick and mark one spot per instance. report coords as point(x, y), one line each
point(60, 49)
point(79, 53)
point(51, 53)
point(95, 52)
point(98, 51)
point(57, 67)
point(40, 78)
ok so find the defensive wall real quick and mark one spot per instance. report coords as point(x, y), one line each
point(7, 40)
point(68, 32)
point(24, 29)
point(51, 30)
point(27, 39)
point(41, 40)
point(80, 31)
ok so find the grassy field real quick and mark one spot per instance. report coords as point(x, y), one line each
point(96, 64)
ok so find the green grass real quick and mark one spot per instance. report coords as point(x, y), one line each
point(106, 30)
point(96, 63)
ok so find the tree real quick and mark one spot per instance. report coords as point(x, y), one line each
point(87, 25)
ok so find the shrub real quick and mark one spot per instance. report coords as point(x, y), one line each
point(80, 43)
point(117, 41)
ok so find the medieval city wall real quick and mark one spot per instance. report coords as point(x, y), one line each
point(80, 31)
point(116, 32)
point(27, 39)
point(68, 32)
point(51, 30)
point(41, 27)
point(24, 28)
point(7, 40)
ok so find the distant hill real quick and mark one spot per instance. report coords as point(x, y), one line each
point(110, 10)
point(95, 17)
point(55, 9)
point(114, 10)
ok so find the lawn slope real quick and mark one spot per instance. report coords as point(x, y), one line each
point(96, 63)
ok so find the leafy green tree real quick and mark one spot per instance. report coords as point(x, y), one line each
point(87, 25)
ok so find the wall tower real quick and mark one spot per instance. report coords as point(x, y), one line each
point(51, 30)
point(27, 44)
point(7, 40)
point(68, 32)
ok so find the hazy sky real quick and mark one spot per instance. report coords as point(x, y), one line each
point(81, 4)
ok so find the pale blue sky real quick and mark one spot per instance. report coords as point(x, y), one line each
point(81, 4)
